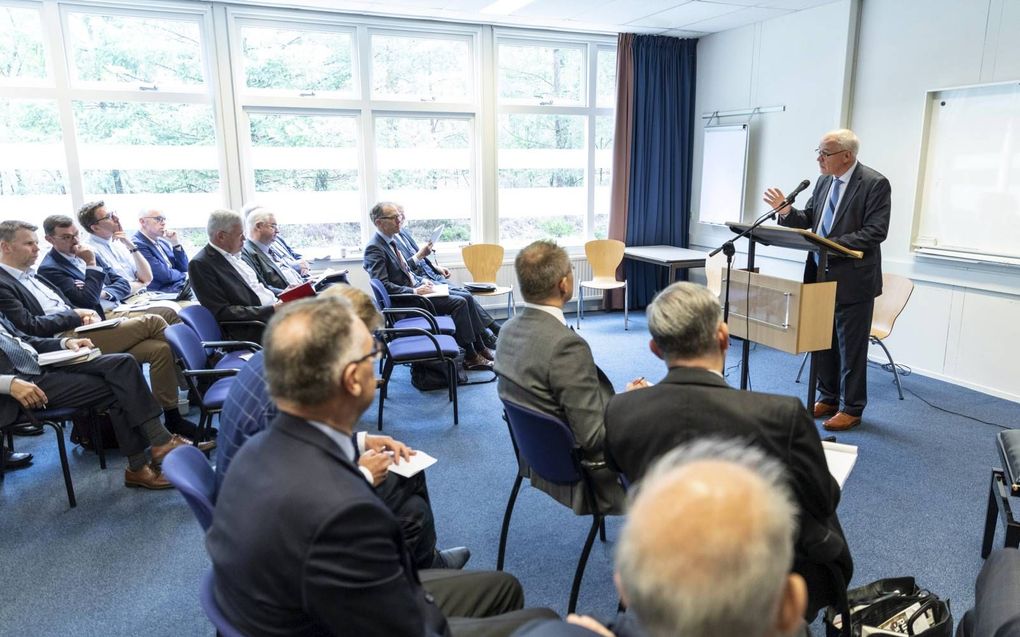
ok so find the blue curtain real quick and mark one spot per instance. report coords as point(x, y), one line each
point(659, 202)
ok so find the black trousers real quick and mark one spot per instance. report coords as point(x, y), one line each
point(995, 609)
point(112, 381)
point(408, 499)
point(843, 369)
point(468, 317)
point(480, 603)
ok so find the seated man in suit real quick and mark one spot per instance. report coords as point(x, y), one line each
point(112, 382)
point(543, 365)
point(85, 278)
point(691, 564)
point(249, 410)
point(995, 612)
point(107, 238)
point(258, 252)
point(280, 249)
point(384, 260)
point(300, 543)
point(693, 401)
point(38, 307)
point(163, 251)
point(227, 285)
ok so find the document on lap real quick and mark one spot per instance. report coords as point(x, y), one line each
point(439, 289)
point(64, 357)
point(409, 468)
point(101, 325)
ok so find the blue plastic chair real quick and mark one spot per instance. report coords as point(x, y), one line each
point(188, 469)
point(422, 317)
point(52, 418)
point(403, 346)
point(210, 385)
point(547, 446)
point(212, 610)
point(202, 321)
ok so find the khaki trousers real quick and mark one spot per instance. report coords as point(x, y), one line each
point(142, 337)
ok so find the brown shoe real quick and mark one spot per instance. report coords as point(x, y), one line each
point(841, 422)
point(477, 364)
point(823, 410)
point(158, 453)
point(487, 354)
point(146, 478)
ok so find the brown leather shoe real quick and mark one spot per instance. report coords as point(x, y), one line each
point(841, 422)
point(823, 410)
point(487, 354)
point(146, 478)
point(158, 453)
point(477, 364)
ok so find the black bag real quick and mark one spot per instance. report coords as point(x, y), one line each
point(81, 431)
point(431, 375)
point(897, 601)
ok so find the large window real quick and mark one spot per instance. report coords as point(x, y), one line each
point(555, 140)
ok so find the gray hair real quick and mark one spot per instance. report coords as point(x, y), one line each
point(731, 578)
point(540, 267)
point(256, 216)
point(684, 319)
point(308, 344)
point(9, 229)
point(379, 210)
point(846, 139)
point(222, 221)
point(52, 222)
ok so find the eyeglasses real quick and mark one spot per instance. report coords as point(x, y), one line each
point(66, 237)
point(159, 219)
point(391, 217)
point(373, 355)
point(824, 153)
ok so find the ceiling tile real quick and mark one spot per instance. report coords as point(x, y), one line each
point(684, 15)
point(736, 19)
point(623, 12)
point(793, 5)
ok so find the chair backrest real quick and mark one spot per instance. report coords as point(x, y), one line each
point(186, 347)
point(896, 291)
point(483, 261)
point(545, 443)
point(604, 256)
point(382, 297)
point(188, 469)
point(200, 319)
point(212, 610)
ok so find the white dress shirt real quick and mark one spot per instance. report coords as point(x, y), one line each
point(116, 255)
point(49, 300)
point(553, 311)
point(266, 297)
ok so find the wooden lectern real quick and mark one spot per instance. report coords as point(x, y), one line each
point(787, 315)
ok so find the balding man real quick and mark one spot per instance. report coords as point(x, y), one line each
point(259, 252)
point(706, 550)
point(227, 285)
point(693, 400)
point(163, 251)
point(300, 543)
point(850, 206)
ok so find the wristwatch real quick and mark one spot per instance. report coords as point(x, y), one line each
point(133, 250)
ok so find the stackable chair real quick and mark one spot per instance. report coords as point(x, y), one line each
point(52, 418)
point(410, 311)
point(548, 448)
point(406, 345)
point(604, 257)
point(188, 469)
point(483, 261)
point(210, 384)
point(228, 353)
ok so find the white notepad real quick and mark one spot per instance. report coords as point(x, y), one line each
point(841, 459)
point(419, 462)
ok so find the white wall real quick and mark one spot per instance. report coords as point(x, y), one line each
point(963, 322)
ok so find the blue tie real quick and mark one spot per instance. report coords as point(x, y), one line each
point(830, 208)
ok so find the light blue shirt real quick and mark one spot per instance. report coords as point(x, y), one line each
point(49, 300)
point(346, 444)
point(844, 180)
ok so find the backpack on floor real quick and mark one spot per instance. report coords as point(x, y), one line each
point(431, 375)
point(81, 431)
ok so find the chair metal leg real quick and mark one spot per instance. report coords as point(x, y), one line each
point(580, 306)
point(596, 521)
point(800, 371)
point(896, 373)
point(387, 370)
point(991, 515)
point(58, 430)
point(626, 300)
point(453, 390)
point(506, 522)
point(602, 530)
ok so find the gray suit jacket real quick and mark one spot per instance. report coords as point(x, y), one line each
point(544, 366)
point(267, 271)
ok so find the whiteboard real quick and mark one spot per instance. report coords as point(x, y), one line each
point(724, 164)
point(968, 203)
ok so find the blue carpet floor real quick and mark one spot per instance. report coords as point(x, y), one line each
point(129, 562)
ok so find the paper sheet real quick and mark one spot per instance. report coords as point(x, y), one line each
point(841, 459)
point(436, 233)
point(418, 463)
point(439, 289)
point(114, 322)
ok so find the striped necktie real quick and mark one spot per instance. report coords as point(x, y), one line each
point(23, 361)
point(830, 207)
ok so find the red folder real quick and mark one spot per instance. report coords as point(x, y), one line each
point(299, 292)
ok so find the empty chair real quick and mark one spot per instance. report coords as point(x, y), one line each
point(188, 469)
point(547, 447)
point(483, 261)
point(227, 353)
point(403, 346)
point(604, 257)
point(209, 384)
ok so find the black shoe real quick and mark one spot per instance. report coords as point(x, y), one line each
point(28, 429)
point(14, 460)
point(489, 339)
point(454, 558)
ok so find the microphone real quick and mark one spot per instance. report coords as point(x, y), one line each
point(796, 191)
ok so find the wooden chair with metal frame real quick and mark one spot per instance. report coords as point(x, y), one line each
point(604, 257)
point(483, 261)
point(896, 291)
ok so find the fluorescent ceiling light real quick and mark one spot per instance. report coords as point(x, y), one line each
point(505, 7)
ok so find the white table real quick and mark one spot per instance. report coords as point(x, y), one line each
point(667, 256)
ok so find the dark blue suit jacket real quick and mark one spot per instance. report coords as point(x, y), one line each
point(424, 267)
point(164, 277)
point(22, 309)
point(9, 407)
point(302, 545)
point(861, 223)
point(62, 273)
point(381, 263)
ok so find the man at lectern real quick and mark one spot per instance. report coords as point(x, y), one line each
point(850, 206)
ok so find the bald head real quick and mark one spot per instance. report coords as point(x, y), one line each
point(708, 545)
